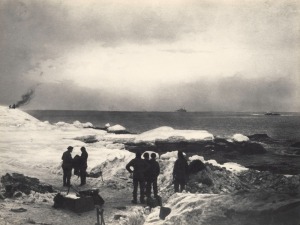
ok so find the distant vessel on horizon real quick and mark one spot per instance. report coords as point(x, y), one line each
point(272, 114)
point(181, 110)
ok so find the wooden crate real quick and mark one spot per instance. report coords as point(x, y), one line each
point(82, 204)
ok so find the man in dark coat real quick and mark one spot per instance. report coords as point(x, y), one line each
point(67, 166)
point(180, 172)
point(147, 172)
point(139, 168)
point(153, 174)
point(83, 165)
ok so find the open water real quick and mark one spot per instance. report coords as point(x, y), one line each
point(222, 124)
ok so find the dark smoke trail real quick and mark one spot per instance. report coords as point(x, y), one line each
point(26, 98)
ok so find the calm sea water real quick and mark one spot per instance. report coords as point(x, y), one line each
point(224, 124)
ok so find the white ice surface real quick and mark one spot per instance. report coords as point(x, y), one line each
point(240, 138)
point(27, 144)
point(168, 133)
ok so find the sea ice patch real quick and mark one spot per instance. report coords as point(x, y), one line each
point(240, 138)
point(168, 133)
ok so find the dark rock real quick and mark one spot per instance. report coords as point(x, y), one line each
point(17, 194)
point(207, 181)
point(2, 196)
point(195, 166)
point(18, 210)
point(296, 145)
point(259, 137)
point(19, 182)
point(94, 174)
point(118, 216)
point(133, 147)
point(266, 180)
point(120, 207)
point(100, 128)
point(119, 132)
point(251, 148)
point(9, 192)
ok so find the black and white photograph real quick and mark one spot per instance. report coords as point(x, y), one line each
point(148, 112)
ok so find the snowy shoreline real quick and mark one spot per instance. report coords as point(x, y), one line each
point(34, 148)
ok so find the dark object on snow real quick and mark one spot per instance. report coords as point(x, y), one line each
point(296, 145)
point(272, 114)
point(99, 214)
point(16, 182)
point(118, 216)
point(95, 175)
point(58, 201)
point(195, 166)
point(120, 207)
point(81, 204)
point(18, 210)
point(86, 201)
point(154, 202)
point(94, 193)
point(164, 212)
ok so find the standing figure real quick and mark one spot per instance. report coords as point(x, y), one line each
point(67, 166)
point(180, 172)
point(154, 172)
point(139, 168)
point(83, 165)
point(147, 172)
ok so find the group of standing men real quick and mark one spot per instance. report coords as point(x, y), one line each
point(145, 172)
point(68, 165)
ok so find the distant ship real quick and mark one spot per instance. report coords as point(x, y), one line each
point(272, 114)
point(181, 110)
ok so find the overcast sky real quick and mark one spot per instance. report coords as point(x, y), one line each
point(208, 55)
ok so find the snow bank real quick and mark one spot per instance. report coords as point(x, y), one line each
point(78, 124)
point(116, 128)
point(185, 209)
point(172, 156)
point(15, 118)
point(113, 164)
point(168, 133)
point(75, 125)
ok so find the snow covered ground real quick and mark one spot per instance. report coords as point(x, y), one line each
point(34, 148)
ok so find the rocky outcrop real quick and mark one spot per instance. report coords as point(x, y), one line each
point(16, 182)
point(296, 145)
point(199, 147)
point(195, 166)
point(259, 137)
point(217, 180)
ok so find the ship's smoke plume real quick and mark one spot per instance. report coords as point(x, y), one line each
point(26, 98)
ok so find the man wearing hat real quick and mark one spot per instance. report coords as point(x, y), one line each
point(67, 166)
